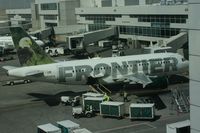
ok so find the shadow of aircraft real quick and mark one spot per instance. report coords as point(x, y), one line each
point(54, 100)
point(158, 83)
point(175, 79)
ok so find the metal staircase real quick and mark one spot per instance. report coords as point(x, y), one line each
point(181, 101)
point(99, 88)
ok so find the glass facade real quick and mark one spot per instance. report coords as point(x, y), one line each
point(101, 18)
point(93, 27)
point(160, 24)
point(99, 21)
point(131, 2)
point(149, 31)
point(51, 24)
point(161, 18)
point(106, 3)
point(50, 17)
point(49, 6)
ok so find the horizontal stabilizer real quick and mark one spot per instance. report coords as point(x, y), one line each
point(8, 67)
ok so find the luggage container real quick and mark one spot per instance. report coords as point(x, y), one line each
point(179, 127)
point(67, 126)
point(94, 102)
point(113, 109)
point(82, 130)
point(48, 128)
point(141, 111)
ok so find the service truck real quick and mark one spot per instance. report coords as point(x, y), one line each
point(54, 51)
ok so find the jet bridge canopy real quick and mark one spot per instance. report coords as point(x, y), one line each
point(81, 41)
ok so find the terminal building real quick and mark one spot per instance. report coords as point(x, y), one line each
point(60, 13)
point(138, 21)
point(20, 17)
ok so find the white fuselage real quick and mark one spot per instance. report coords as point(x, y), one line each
point(107, 70)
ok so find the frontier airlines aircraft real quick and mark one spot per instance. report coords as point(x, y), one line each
point(126, 69)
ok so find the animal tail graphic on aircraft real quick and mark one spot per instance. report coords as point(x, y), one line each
point(29, 53)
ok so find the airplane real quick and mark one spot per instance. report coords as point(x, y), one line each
point(110, 70)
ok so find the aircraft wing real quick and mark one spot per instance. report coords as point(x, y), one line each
point(135, 78)
point(8, 67)
point(100, 75)
point(141, 78)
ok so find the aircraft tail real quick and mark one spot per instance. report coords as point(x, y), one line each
point(29, 53)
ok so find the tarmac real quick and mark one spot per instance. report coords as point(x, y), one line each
point(23, 107)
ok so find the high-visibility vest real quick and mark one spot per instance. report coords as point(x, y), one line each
point(106, 98)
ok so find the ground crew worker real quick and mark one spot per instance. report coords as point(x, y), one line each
point(172, 103)
point(125, 96)
point(106, 97)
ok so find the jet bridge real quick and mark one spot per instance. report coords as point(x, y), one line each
point(176, 42)
point(78, 43)
point(171, 44)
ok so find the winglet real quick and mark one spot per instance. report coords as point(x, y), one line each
point(28, 51)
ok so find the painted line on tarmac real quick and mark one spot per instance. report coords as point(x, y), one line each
point(134, 125)
point(143, 130)
point(123, 127)
point(171, 117)
point(150, 125)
